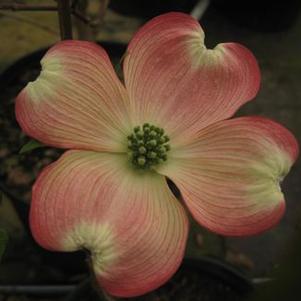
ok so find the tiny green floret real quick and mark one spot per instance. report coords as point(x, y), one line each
point(148, 146)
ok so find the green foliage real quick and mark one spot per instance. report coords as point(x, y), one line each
point(30, 145)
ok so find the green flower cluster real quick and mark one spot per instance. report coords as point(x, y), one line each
point(148, 146)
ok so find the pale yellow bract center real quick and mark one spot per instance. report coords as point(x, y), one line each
point(98, 239)
point(274, 170)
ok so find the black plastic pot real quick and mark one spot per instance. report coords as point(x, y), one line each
point(149, 9)
point(260, 15)
point(204, 279)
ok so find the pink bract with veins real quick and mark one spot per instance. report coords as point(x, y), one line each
point(94, 197)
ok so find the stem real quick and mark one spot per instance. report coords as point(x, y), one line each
point(74, 4)
point(102, 9)
point(81, 17)
point(102, 295)
point(97, 22)
point(83, 29)
point(64, 12)
point(19, 6)
point(79, 291)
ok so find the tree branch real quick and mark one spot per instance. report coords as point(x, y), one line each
point(26, 7)
point(64, 12)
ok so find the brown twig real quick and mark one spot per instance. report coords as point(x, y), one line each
point(102, 9)
point(74, 4)
point(98, 19)
point(81, 17)
point(64, 12)
point(82, 21)
point(27, 7)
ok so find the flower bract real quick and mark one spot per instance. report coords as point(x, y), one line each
point(170, 118)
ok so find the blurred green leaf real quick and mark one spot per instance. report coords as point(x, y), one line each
point(3, 241)
point(30, 145)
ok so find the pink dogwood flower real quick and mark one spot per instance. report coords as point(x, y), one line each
point(108, 193)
